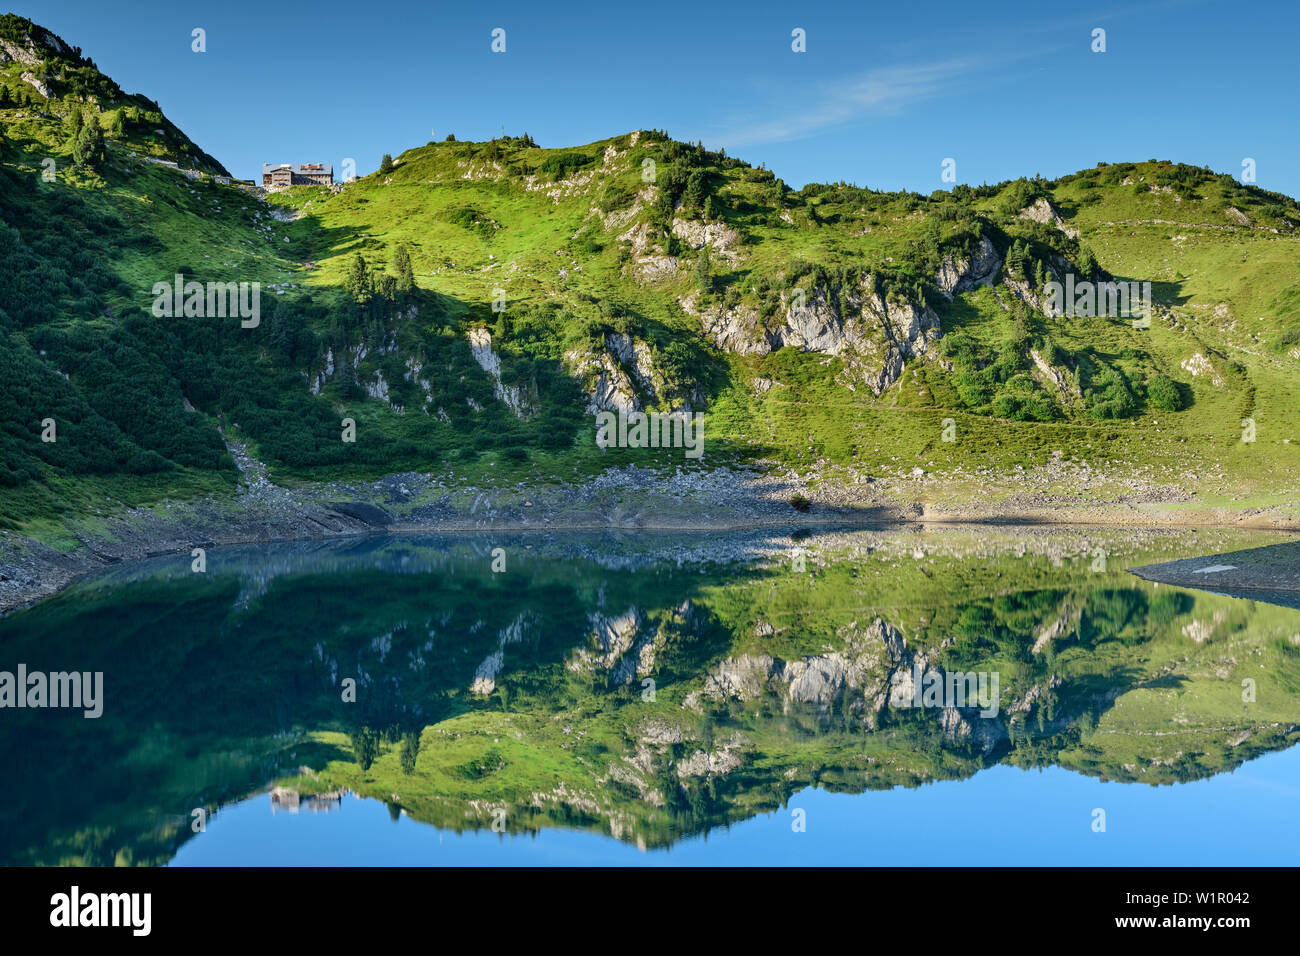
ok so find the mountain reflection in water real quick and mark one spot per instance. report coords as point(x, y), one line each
point(637, 691)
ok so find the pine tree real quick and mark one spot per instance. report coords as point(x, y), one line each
point(410, 750)
point(402, 266)
point(357, 282)
point(89, 148)
point(502, 327)
point(365, 747)
point(695, 190)
point(384, 287)
point(74, 122)
point(703, 271)
point(1087, 262)
point(1017, 257)
point(386, 164)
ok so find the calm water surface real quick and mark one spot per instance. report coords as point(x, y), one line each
point(661, 699)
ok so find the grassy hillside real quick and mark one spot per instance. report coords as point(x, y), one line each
point(635, 272)
point(1222, 345)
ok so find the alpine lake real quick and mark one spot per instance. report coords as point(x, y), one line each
point(894, 696)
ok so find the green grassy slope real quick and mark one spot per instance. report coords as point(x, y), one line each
point(487, 217)
point(607, 270)
point(1142, 685)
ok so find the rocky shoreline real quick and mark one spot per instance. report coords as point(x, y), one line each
point(1271, 570)
point(630, 499)
point(626, 499)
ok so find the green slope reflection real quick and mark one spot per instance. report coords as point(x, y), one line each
point(648, 688)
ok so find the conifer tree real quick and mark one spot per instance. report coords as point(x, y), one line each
point(74, 122)
point(703, 271)
point(1087, 262)
point(357, 282)
point(402, 266)
point(89, 148)
point(365, 747)
point(410, 751)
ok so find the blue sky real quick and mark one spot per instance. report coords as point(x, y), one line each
point(884, 93)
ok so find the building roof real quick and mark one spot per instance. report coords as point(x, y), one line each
point(300, 169)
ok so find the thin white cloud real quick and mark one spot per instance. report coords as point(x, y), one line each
point(877, 92)
point(889, 90)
